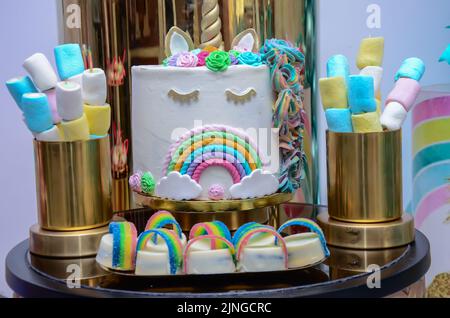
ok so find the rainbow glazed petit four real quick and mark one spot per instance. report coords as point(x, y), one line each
point(259, 248)
point(305, 249)
point(118, 248)
point(160, 249)
point(159, 252)
point(209, 250)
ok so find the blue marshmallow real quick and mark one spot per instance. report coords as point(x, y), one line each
point(339, 120)
point(17, 87)
point(411, 68)
point(69, 60)
point(338, 65)
point(37, 113)
point(361, 95)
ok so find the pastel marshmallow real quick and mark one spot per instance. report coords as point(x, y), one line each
point(366, 123)
point(52, 100)
point(76, 130)
point(69, 60)
point(339, 119)
point(412, 68)
point(99, 119)
point(333, 91)
point(394, 116)
point(69, 100)
point(19, 86)
point(94, 87)
point(379, 106)
point(361, 95)
point(337, 65)
point(376, 72)
point(371, 52)
point(405, 92)
point(41, 72)
point(37, 113)
point(51, 135)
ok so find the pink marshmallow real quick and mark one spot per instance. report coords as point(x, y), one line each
point(405, 92)
point(51, 95)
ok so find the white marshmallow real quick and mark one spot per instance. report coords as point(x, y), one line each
point(377, 73)
point(94, 87)
point(69, 101)
point(393, 116)
point(76, 79)
point(50, 135)
point(41, 71)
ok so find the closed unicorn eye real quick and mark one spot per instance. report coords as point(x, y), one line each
point(182, 96)
point(240, 97)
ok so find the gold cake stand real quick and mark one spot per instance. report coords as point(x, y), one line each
point(233, 213)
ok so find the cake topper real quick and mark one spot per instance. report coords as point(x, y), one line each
point(177, 41)
point(246, 41)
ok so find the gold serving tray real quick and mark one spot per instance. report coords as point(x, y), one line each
point(143, 278)
point(157, 203)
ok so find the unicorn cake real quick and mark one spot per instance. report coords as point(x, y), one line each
point(214, 125)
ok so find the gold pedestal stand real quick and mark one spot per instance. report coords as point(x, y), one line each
point(233, 213)
point(73, 186)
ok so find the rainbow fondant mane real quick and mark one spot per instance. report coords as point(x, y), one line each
point(209, 146)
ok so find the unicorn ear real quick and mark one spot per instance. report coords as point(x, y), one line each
point(247, 41)
point(178, 41)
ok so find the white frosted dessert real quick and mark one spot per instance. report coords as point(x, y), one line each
point(304, 249)
point(201, 258)
point(262, 259)
point(159, 119)
point(105, 251)
point(154, 259)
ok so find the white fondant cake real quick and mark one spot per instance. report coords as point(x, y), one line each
point(161, 117)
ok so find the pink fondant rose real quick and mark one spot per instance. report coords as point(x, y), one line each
point(202, 58)
point(187, 59)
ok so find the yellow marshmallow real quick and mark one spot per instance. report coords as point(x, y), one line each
point(99, 119)
point(76, 130)
point(379, 110)
point(366, 123)
point(60, 132)
point(333, 91)
point(371, 52)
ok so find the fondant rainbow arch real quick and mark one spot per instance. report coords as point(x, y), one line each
point(216, 145)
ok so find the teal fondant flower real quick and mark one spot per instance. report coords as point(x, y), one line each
point(250, 58)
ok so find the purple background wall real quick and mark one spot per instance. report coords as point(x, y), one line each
point(27, 26)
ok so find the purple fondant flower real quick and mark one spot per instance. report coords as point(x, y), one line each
point(187, 59)
point(135, 182)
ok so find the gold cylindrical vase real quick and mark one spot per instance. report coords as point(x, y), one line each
point(365, 176)
point(73, 184)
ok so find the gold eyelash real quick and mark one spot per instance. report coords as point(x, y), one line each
point(184, 97)
point(240, 97)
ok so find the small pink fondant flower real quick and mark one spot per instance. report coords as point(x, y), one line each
point(202, 58)
point(187, 59)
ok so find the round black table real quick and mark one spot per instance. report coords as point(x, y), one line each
point(31, 276)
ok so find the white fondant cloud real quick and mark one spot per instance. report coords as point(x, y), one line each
point(178, 187)
point(258, 184)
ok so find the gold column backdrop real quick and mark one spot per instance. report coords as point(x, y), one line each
point(123, 33)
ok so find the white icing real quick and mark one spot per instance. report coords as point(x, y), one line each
point(304, 249)
point(210, 262)
point(258, 184)
point(158, 120)
point(105, 251)
point(261, 259)
point(178, 187)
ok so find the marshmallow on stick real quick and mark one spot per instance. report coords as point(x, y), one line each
point(69, 100)
point(371, 52)
point(51, 135)
point(69, 60)
point(41, 71)
point(94, 87)
point(37, 112)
